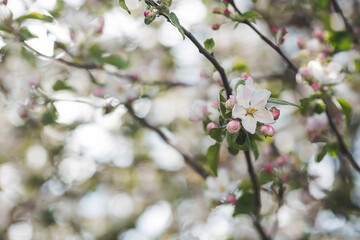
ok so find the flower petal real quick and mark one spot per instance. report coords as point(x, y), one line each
point(249, 123)
point(243, 96)
point(259, 99)
point(264, 116)
point(238, 111)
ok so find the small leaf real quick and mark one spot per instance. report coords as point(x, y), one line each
point(245, 204)
point(50, 116)
point(177, 24)
point(216, 134)
point(116, 61)
point(347, 110)
point(322, 153)
point(251, 14)
point(282, 102)
point(240, 66)
point(36, 16)
point(233, 151)
point(123, 5)
point(212, 156)
point(61, 85)
point(26, 34)
point(209, 44)
point(305, 105)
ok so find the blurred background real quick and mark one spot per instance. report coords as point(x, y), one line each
point(74, 164)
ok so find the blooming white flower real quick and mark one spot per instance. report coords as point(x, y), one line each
point(326, 74)
point(218, 188)
point(250, 107)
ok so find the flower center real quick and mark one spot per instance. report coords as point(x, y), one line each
point(222, 188)
point(250, 111)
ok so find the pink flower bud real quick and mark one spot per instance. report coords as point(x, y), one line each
point(300, 42)
point(274, 29)
point(215, 104)
point(230, 102)
point(210, 126)
point(246, 76)
point(146, 13)
point(337, 119)
point(215, 26)
point(281, 40)
point(318, 33)
point(226, 12)
point(101, 25)
point(217, 10)
point(316, 135)
point(226, 1)
point(231, 198)
point(72, 35)
point(315, 86)
point(280, 160)
point(98, 91)
point(23, 112)
point(202, 74)
point(284, 178)
point(269, 167)
point(275, 112)
point(5, 2)
point(267, 130)
point(284, 32)
point(305, 73)
point(233, 127)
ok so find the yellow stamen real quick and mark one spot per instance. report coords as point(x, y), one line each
point(250, 111)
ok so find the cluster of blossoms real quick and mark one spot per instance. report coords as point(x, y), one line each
point(278, 167)
point(279, 35)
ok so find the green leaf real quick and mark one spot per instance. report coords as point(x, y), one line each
point(305, 105)
point(216, 134)
point(347, 110)
point(240, 66)
point(50, 116)
point(249, 16)
point(116, 61)
point(233, 151)
point(36, 16)
point(61, 85)
point(322, 153)
point(341, 40)
point(212, 156)
point(177, 24)
point(282, 102)
point(26, 34)
point(254, 148)
point(237, 85)
point(123, 5)
point(209, 44)
point(333, 149)
point(245, 204)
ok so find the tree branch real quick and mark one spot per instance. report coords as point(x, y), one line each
point(290, 64)
point(256, 189)
point(192, 163)
point(348, 26)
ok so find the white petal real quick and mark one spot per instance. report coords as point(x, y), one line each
point(263, 116)
point(249, 83)
point(259, 99)
point(249, 123)
point(238, 111)
point(243, 96)
point(334, 67)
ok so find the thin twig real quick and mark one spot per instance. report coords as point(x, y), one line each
point(291, 65)
point(341, 142)
point(256, 188)
point(348, 26)
point(192, 163)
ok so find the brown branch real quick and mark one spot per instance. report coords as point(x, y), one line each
point(344, 150)
point(192, 163)
point(348, 26)
point(256, 189)
point(290, 64)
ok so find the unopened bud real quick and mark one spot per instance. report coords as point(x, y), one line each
point(23, 112)
point(318, 33)
point(280, 160)
point(275, 112)
point(267, 130)
point(315, 86)
point(269, 167)
point(98, 91)
point(215, 26)
point(101, 25)
point(5, 2)
point(231, 198)
point(284, 32)
point(281, 40)
point(233, 127)
point(226, 12)
point(246, 76)
point(217, 10)
point(284, 178)
point(146, 13)
point(274, 30)
point(230, 102)
point(210, 126)
point(305, 73)
point(300, 42)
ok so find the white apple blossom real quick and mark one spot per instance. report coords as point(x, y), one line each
point(250, 107)
point(218, 188)
point(329, 73)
